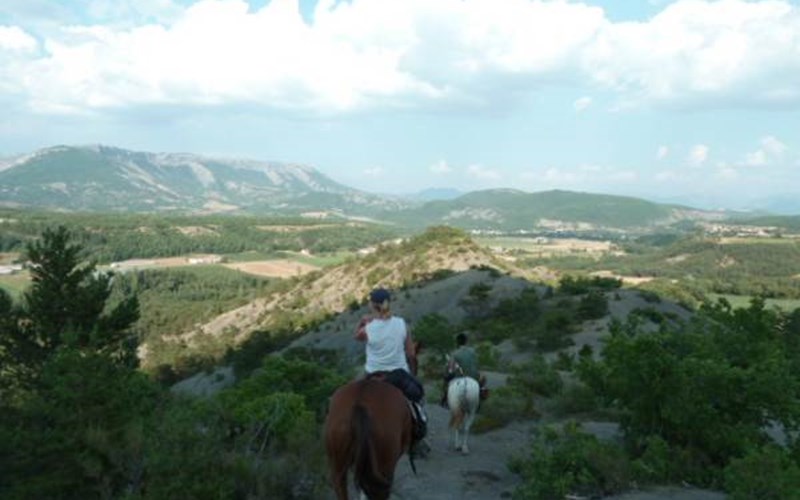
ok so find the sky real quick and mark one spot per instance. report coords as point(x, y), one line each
point(694, 101)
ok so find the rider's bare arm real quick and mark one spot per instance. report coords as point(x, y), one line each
point(409, 346)
point(361, 329)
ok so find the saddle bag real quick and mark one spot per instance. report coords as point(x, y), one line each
point(484, 390)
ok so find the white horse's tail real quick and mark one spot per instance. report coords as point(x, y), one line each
point(463, 396)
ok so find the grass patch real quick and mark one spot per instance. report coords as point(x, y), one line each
point(319, 260)
point(15, 284)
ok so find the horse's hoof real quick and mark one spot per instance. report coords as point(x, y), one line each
point(464, 450)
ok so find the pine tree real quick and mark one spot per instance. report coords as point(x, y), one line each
point(66, 305)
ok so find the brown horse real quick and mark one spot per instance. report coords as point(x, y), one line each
point(368, 428)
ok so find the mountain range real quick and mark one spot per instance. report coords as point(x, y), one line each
point(101, 178)
point(110, 179)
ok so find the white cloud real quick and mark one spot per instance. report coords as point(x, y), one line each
point(441, 167)
point(773, 146)
point(406, 53)
point(701, 53)
point(727, 173)
point(374, 171)
point(662, 152)
point(756, 159)
point(698, 154)
point(13, 38)
point(770, 150)
point(623, 176)
point(582, 103)
point(482, 173)
point(557, 177)
point(666, 176)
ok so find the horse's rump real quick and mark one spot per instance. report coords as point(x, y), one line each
point(463, 396)
point(368, 428)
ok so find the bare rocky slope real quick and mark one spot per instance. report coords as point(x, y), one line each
point(403, 266)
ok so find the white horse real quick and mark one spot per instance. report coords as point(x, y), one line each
point(463, 397)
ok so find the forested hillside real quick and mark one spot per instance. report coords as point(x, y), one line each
point(695, 266)
point(126, 236)
point(511, 210)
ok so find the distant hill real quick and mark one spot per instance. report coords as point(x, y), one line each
point(109, 179)
point(509, 210)
point(100, 178)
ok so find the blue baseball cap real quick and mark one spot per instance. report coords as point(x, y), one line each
point(379, 295)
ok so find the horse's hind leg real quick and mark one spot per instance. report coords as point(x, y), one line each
point(465, 431)
point(468, 419)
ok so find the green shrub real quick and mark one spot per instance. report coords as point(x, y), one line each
point(506, 404)
point(764, 473)
point(564, 361)
point(488, 356)
point(309, 380)
point(575, 399)
point(708, 388)
point(660, 463)
point(436, 334)
point(536, 377)
point(593, 305)
point(570, 462)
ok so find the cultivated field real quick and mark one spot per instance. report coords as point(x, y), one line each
point(8, 257)
point(273, 268)
point(161, 263)
point(16, 283)
point(548, 247)
point(281, 268)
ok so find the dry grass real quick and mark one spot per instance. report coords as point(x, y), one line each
point(8, 257)
point(281, 268)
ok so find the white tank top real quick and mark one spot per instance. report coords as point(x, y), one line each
point(386, 341)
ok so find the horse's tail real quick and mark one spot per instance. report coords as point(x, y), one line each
point(457, 412)
point(365, 468)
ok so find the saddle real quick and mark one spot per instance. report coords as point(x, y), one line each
point(414, 393)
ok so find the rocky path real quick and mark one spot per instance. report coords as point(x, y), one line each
point(483, 474)
point(447, 474)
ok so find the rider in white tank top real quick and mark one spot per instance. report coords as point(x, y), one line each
point(386, 344)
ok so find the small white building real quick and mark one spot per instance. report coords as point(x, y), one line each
point(9, 269)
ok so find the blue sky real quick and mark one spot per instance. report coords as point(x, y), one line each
point(692, 100)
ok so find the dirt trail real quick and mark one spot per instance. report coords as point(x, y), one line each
point(447, 474)
point(483, 474)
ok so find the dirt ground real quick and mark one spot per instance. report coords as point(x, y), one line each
point(277, 268)
point(280, 268)
point(8, 257)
